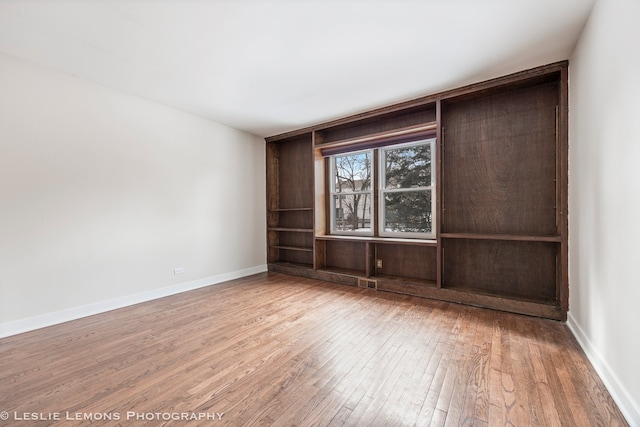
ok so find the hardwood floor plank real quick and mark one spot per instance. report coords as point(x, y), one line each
point(273, 349)
point(483, 344)
point(437, 372)
point(410, 398)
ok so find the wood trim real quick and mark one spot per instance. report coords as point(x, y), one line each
point(292, 248)
point(327, 194)
point(319, 188)
point(512, 79)
point(370, 141)
point(319, 258)
point(563, 182)
point(368, 257)
point(438, 218)
point(501, 237)
point(377, 170)
point(379, 240)
point(291, 210)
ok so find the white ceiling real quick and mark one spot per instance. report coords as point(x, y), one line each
point(270, 66)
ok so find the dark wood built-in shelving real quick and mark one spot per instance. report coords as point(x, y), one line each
point(290, 202)
point(501, 197)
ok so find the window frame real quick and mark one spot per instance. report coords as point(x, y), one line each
point(380, 211)
point(333, 193)
point(377, 190)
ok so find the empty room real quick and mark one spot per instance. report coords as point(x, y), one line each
point(319, 213)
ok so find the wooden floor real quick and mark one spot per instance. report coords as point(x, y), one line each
point(279, 350)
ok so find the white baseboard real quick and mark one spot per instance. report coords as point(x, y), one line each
point(49, 319)
point(629, 408)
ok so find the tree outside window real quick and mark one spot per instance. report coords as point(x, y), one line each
point(406, 187)
point(352, 192)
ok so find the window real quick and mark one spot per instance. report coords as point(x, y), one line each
point(352, 193)
point(406, 191)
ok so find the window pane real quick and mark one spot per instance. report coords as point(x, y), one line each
point(352, 172)
point(408, 212)
point(352, 212)
point(408, 167)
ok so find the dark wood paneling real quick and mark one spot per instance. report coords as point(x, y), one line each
point(510, 83)
point(295, 239)
point(563, 185)
point(273, 199)
point(295, 219)
point(290, 201)
point(512, 269)
point(297, 257)
point(501, 229)
point(272, 240)
point(407, 261)
point(391, 121)
point(346, 255)
point(437, 223)
point(499, 163)
point(295, 173)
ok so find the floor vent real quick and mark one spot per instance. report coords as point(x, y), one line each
point(367, 283)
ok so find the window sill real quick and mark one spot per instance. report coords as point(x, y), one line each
point(421, 242)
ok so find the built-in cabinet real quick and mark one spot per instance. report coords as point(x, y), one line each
point(501, 198)
point(290, 202)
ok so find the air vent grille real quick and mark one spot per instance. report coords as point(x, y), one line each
point(367, 283)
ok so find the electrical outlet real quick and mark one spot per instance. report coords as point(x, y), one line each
point(378, 263)
point(178, 270)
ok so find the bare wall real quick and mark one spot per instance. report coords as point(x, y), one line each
point(604, 197)
point(103, 194)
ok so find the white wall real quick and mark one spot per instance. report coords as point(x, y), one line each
point(604, 197)
point(102, 194)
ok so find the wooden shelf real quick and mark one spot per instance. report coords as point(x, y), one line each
point(512, 237)
point(290, 202)
point(383, 240)
point(288, 264)
point(501, 267)
point(292, 230)
point(292, 248)
point(344, 238)
point(291, 210)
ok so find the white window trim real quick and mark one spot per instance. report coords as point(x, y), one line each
point(333, 193)
point(382, 191)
